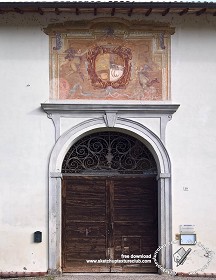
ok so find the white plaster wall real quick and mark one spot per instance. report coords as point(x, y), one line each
point(27, 135)
point(151, 123)
point(191, 135)
point(26, 141)
point(67, 123)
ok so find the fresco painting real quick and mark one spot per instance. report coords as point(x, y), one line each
point(108, 64)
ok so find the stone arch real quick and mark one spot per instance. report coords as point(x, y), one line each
point(158, 150)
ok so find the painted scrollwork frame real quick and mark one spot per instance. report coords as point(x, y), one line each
point(123, 52)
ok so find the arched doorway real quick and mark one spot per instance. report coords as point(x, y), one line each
point(109, 205)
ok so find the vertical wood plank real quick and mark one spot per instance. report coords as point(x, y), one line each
point(84, 224)
point(105, 217)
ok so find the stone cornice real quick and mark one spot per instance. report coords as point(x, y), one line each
point(141, 109)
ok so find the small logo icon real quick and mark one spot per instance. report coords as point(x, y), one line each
point(180, 256)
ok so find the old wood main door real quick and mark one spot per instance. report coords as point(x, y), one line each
point(105, 220)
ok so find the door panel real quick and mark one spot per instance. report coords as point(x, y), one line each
point(135, 221)
point(84, 224)
point(106, 217)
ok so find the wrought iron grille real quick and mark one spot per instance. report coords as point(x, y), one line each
point(109, 151)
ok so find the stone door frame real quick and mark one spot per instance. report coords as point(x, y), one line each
point(109, 117)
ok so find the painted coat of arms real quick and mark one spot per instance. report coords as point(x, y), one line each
point(109, 66)
point(109, 59)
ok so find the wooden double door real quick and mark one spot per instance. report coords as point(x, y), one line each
point(107, 219)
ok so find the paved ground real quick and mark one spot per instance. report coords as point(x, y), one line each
point(117, 276)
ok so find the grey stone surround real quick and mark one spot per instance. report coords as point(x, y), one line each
point(103, 117)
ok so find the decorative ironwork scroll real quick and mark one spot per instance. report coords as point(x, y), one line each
point(109, 151)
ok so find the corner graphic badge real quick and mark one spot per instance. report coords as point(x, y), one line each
point(188, 260)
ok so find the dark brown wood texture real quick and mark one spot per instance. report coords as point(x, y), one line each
point(106, 217)
point(84, 223)
point(135, 221)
